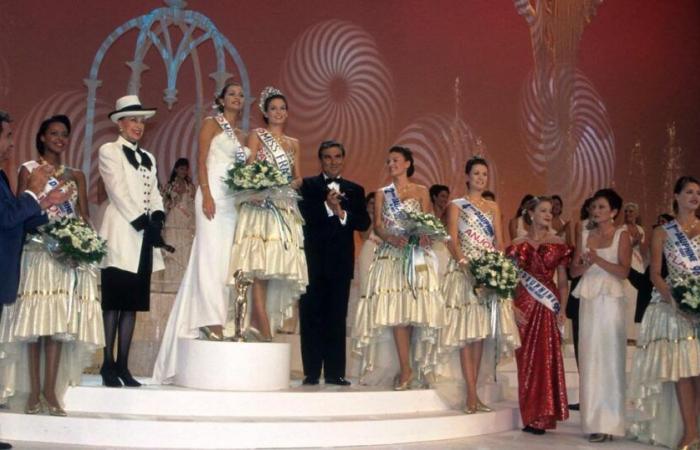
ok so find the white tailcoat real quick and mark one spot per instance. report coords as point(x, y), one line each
point(132, 192)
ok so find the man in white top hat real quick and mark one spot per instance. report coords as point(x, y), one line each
point(132, 226)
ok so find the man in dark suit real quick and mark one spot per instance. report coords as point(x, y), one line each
point(333, 208)
point(18, 214)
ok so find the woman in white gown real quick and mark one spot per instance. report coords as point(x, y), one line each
point(665, 377)
point(201, 305)
point(602, 259)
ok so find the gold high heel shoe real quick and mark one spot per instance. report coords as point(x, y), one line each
point(597, 438)
point(402, 386)
point(54, 410)
point(692, 445)
point(35, 408)
point(256, 335)
point(482, 407)
point(471, 409)
point(210, 335)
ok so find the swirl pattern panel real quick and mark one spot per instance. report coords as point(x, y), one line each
point(441, 146)
point(339, 87)
point(567, 132)
point(71, 104)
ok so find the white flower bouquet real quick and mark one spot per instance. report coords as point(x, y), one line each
point(73, 242)
point(418, 223)
point(256, 176)
point(685, 289)
point(494, 270)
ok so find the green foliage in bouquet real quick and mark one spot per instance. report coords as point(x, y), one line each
point(425, 224)
point(685, 289)
point(494, 270)
point(256, 176)
point(74, 242)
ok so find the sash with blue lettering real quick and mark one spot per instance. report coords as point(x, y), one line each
point(686, 257)
point(240, 155)
point(484, 230)
point(275, 152)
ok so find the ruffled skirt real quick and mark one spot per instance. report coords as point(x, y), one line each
point(390, 301)
point(667, 350)
point(54, 301)
point(269, 245)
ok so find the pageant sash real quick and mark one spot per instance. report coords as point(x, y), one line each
point(275, 151)
point(685, 256)
point(65, 209)
point(240, 156)
point(540, 292)
point(483, 234)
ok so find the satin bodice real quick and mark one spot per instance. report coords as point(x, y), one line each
point(391, 222)
point(223, 150)
point(596, 281)
point(540, 262)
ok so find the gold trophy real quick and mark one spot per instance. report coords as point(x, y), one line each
point(240, 304)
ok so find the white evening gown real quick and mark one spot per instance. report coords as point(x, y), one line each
point(203, 296)
point(602, 344)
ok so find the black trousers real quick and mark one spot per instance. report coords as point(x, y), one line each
point(322, 313)
point(572, 307)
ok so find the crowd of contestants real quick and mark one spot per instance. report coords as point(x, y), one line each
point(603, 269)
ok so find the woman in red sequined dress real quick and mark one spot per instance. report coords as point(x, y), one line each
point(540, 313)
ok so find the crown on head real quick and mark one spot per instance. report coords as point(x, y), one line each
point(269, 91)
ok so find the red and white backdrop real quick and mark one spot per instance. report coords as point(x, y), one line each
point(447, 78)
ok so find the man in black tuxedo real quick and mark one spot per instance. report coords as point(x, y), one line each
point(333, 209)
point(17, 215)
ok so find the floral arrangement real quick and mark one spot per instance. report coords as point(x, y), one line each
point(418, 223)
point(256, 176)
point(685, 289)
point(494, 270)
point(74, 242)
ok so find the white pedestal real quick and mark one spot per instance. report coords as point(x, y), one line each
point(233, 366)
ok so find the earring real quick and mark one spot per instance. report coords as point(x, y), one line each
point(121, 129)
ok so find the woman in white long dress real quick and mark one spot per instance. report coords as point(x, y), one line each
point(602, 259)
point(665, 377)
point(201, 305)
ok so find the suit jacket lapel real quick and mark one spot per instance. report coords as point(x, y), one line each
point(5, 184)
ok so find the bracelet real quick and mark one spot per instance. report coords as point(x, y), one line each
point(204, 184)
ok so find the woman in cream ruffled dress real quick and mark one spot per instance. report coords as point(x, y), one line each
point(268, 245)
point(415, 313)
point(474, 225)
point(665, 377)
point(58, 307)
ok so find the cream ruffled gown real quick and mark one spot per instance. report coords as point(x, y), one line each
point(267, 248)
point(667, 350)
point(53, 300)
point(389, 301)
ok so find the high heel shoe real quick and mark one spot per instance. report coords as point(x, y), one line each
point(470, 409)
point(597, 438)
point(109, 376)
point(126, 378)
point(253, 334)
point(402, 386)
point(55, 410)
point(481, 407)
point(34, 408)
point(210, 335)
point(692, 445)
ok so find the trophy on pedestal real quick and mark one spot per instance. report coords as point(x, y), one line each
point(240, 304)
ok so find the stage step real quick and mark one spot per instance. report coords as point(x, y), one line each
point(170, 417)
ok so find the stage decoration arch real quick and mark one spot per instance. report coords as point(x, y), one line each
point(72, 104)
point(339, 87)
point(154, 29)
point(564, 123)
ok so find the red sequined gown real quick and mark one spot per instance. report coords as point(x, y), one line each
point(541, 384)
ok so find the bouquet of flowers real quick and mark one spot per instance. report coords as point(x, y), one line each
point(418, 223)
point(257, 176)
point(74, 242)
point(493, 270)
point(685, 289)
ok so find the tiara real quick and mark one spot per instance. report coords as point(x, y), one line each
point(266, 93)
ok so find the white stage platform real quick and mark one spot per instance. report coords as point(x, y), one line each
point(300, 416)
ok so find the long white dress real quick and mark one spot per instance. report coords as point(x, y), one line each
point(602, 345)
point(639, 265)
point(203, 297)
point(667, 350)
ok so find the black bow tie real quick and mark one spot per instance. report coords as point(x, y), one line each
point(131, 157)
point(330, 180)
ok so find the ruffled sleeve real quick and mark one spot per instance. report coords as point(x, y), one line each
point(565, 255)
point(518, 252)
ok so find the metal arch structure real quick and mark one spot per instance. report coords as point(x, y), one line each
point(154, 31)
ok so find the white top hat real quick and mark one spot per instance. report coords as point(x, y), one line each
point(130, 106)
